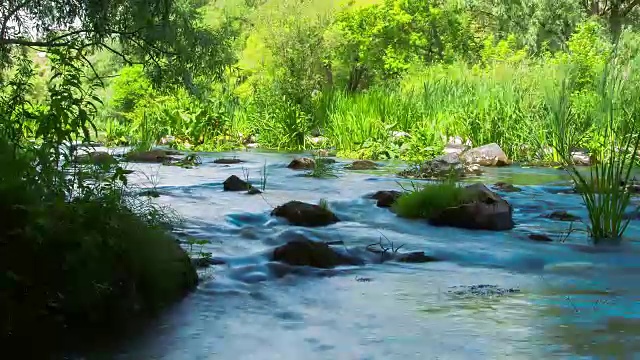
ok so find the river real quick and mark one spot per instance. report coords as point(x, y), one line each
point(572, 300)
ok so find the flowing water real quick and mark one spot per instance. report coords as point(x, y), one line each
point(573, 300)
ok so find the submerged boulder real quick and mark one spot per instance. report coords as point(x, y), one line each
point(303, 214)
point(415, 257)
point(486, 155)
point(228, 161)
point(539, 237)
point(304, 252)
point(302, 163)
point(325, 161)
point(483, 210)
point(442, 166)
point(386, 198)
point(151, 156)
point(506, 187)
point(561, 215)
point(234, 183)
point(362, 165)
point(482, 290)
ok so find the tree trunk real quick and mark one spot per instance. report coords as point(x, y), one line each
point(615, 20)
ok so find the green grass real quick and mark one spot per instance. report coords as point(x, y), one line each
point(425, 201)
point(503, 102)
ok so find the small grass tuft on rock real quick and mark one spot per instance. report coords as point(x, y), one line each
point(425, 201)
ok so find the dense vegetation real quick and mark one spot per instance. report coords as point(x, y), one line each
point(373, 78)
point(78, 252)
point(378, 79)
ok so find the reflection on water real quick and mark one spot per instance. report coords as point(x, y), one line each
point(572, 301)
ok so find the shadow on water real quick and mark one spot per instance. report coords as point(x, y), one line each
point(569, 299)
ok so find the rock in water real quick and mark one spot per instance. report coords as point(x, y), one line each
point(485, 210)
point(234, 183)
point(540, 237)
point(442, 167)
point(486, 155)
point(151, 156)
point(581, 158)
point(96, 158)
point(228, 161)
point(562, 215)
point(483, 290)
point(386, 198)
point(303, 214)
point(415, 257)
point(311, 253)
point(302, 163)
point(362, 165)
point(506, 187)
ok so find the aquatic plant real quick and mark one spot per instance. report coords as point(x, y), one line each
point(245, 175)
point(323, 168)
point(382, 249)
point(324, 203)
point(602, 188)
point(199, 255)
point(263, 177)
point(426, 200)
point(189, 161)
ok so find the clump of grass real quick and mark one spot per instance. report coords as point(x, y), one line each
point(606, 200)
point(324, 203)
point(425, 201)
point(323, 169)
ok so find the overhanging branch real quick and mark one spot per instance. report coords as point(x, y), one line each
point(10, 14)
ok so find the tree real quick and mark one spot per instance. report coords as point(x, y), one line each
point(381, 41)
point(166, 34)
point(535, 23)
point(616, 12)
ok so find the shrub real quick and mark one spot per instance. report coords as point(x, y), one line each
point(92, 262)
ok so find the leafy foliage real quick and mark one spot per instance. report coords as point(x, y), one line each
point(102, 255)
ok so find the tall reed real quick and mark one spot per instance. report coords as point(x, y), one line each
point(602, 189)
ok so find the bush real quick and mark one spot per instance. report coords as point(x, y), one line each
point(94, 262)
point(426, 201)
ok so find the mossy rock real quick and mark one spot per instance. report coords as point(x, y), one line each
point(470, 207)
